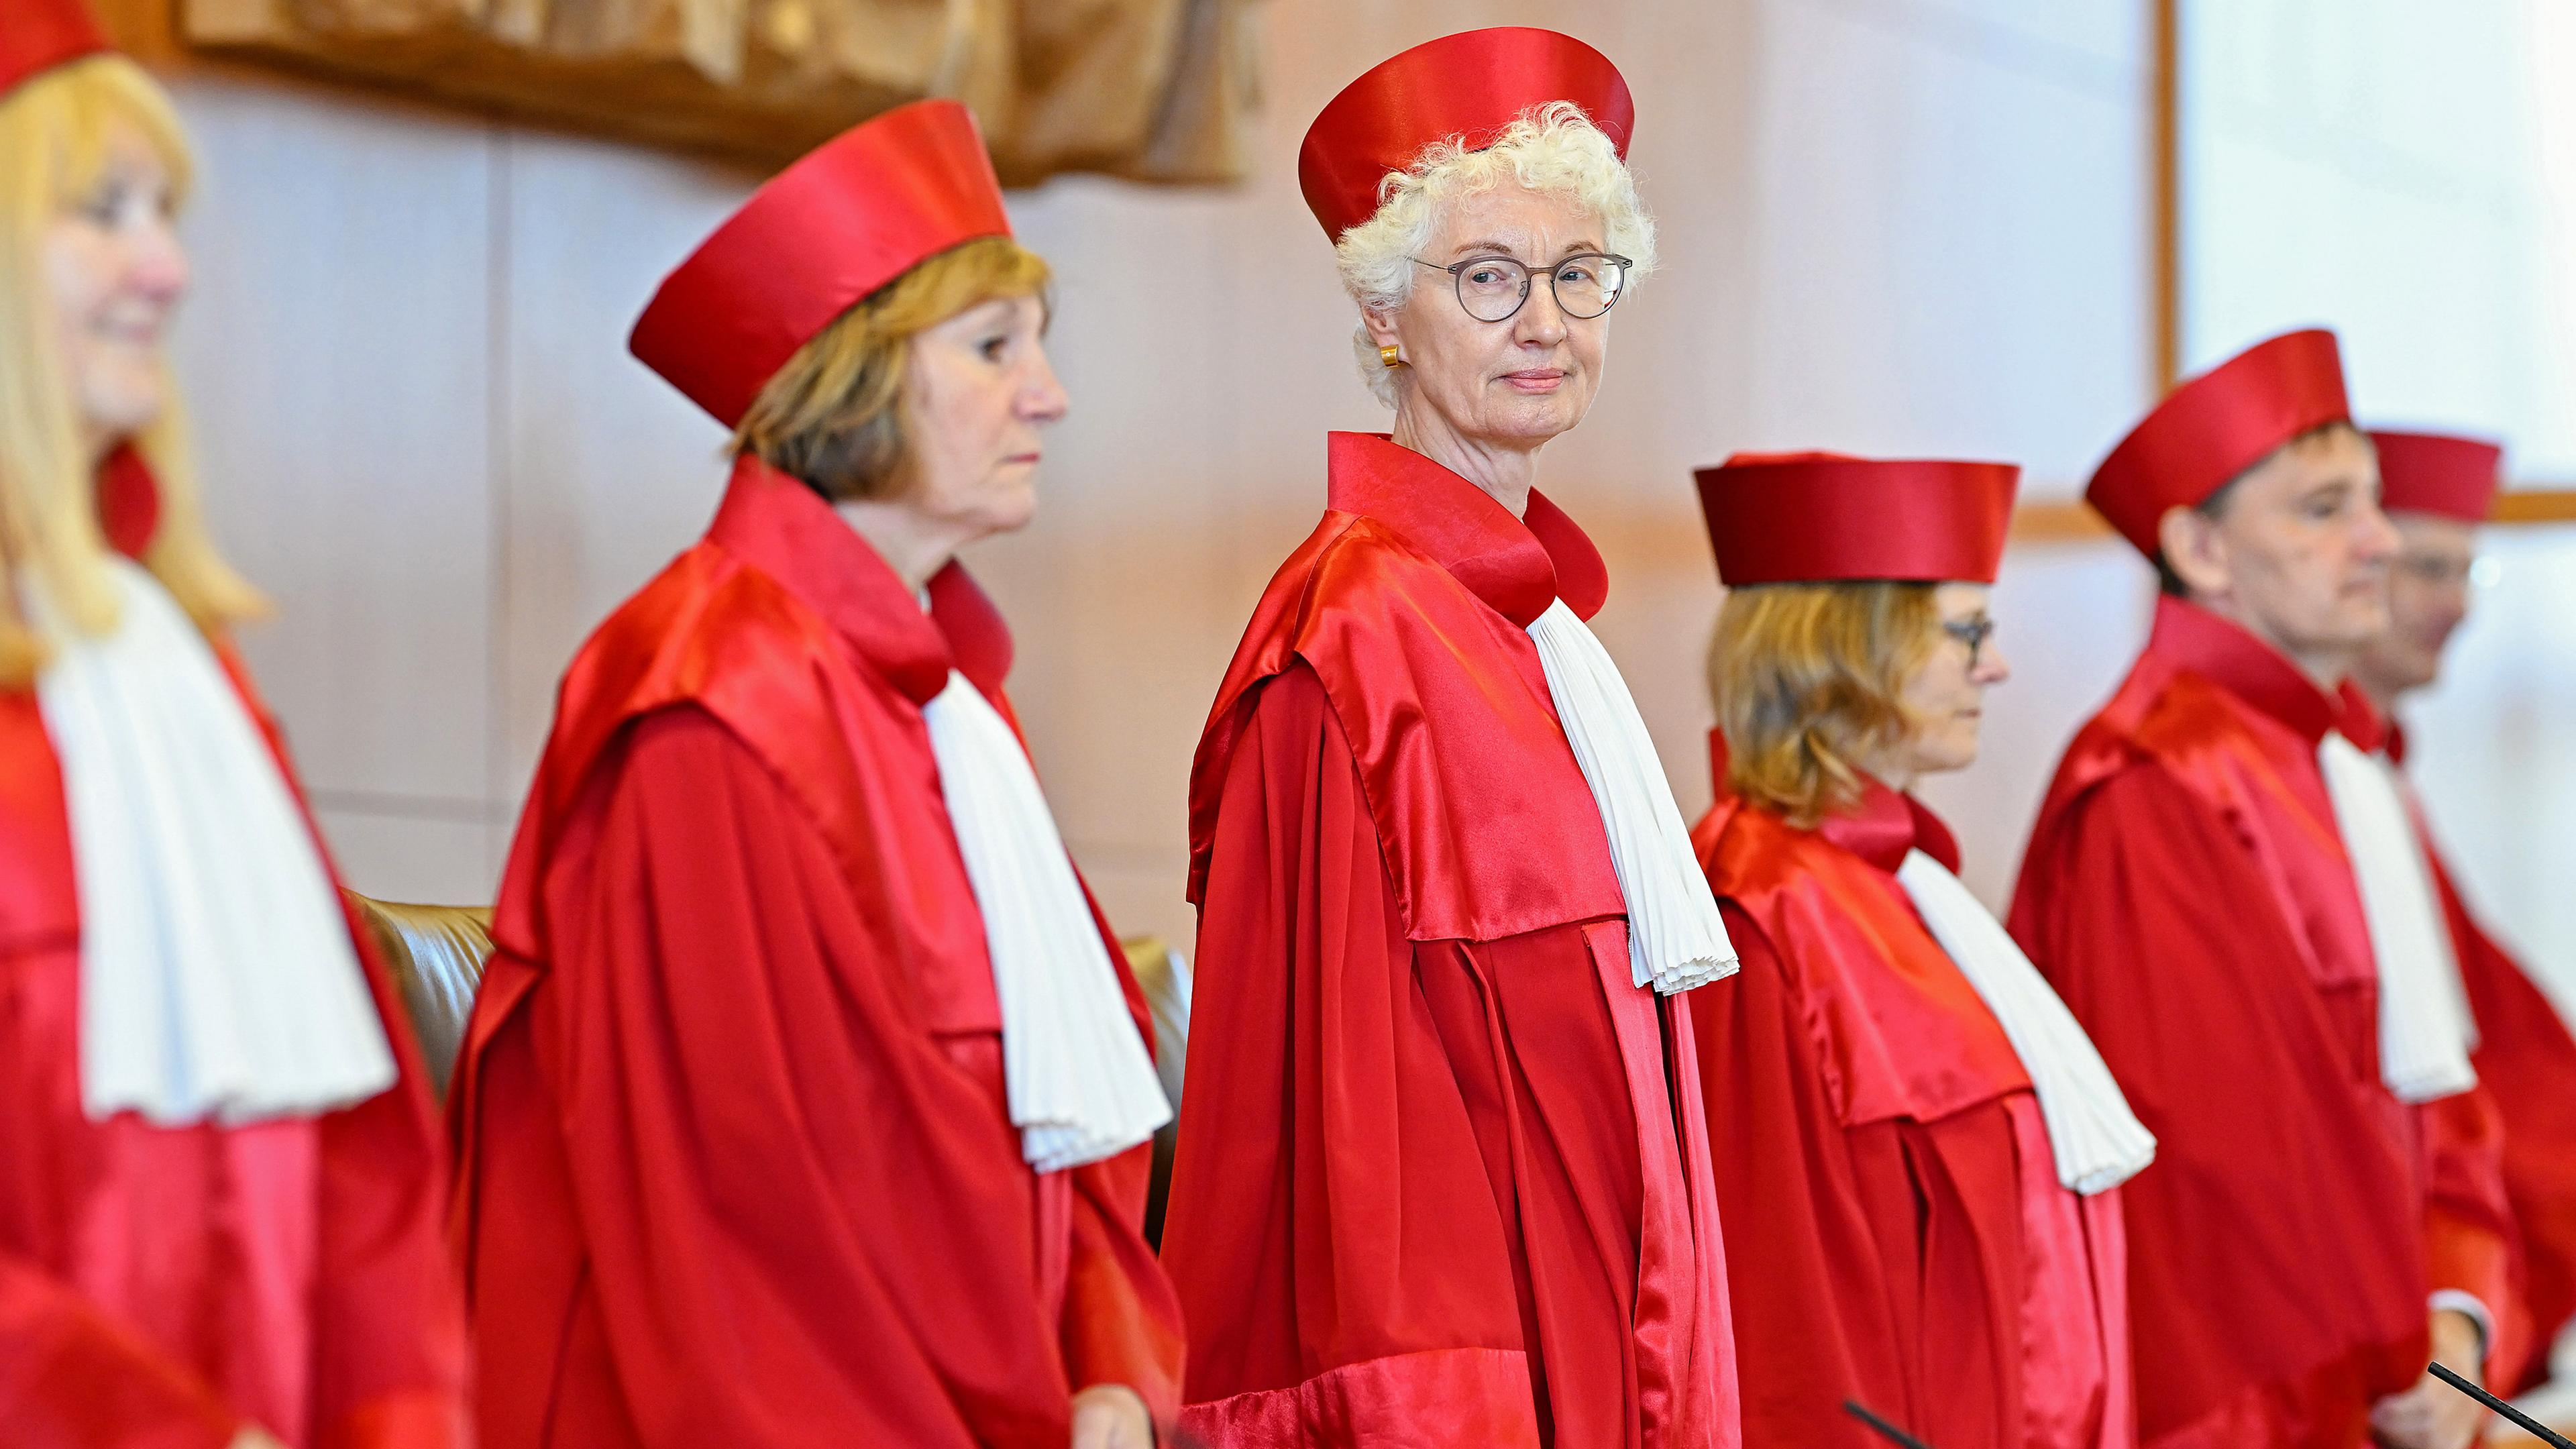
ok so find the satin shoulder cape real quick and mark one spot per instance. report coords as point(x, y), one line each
point(2186, 892)
point(1441, 1177)
point(159, 1285)
point(1896, 1231)
point(736, 1158)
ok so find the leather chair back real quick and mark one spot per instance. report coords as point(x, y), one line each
point(436, 955)
point(1164, 976)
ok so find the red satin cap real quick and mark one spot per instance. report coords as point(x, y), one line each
point(1471, 85)
point(2440, 473)
point(2216, 426)
point(37, 35)
point(857, 212)
point(1781, 518)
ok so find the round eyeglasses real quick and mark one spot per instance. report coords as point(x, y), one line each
point(1493, 289)
point(1972, 632)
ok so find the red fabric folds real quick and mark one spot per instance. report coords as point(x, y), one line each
point(2186, 892)
point(737, 1162)
point(1442, 1165)
point(1896, 1231)
point(161, 1285)
point(2526, 1060)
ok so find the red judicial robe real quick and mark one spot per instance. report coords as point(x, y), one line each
point(737, 1163)
point(2187, 893)
point(1896, 1232)
point(2526, 1063)
point(161, 1285)
point(1442, 1177)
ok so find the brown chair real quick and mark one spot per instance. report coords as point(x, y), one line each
point(436, 955)
point(1164, 976)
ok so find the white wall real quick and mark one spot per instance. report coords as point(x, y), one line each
point(1901, 226)
point(2407, 174)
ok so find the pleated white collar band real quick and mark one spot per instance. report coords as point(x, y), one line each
point(1079, 1078)
point(1675, 938)
point(2099, 1143)
point(2424, 1023)
point(217, 978)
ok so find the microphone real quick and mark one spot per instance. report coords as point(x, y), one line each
point(2529, 1425)
point(1904, 1440)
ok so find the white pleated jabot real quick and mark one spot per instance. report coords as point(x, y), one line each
point(217, 978)
point(2424, 1024)
point(1080, 1080)
point(1675, 938)
point(2099, 1143)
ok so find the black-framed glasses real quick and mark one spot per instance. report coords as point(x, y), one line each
point(1972, 632)
point(1493, 289)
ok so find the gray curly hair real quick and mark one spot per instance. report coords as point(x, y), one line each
point(1551, 148)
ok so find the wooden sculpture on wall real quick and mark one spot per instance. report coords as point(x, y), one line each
point(1155, 90)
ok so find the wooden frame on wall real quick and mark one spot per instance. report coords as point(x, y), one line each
point(2074, 521)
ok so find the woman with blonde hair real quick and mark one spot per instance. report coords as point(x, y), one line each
point(807, 1101)
point(1917, 1148)
point(219, 1182)
point(1441, 1177)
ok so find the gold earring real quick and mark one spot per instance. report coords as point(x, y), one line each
point(1390, 359)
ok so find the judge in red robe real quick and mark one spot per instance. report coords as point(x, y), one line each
point(1442, 1177)
point(1918, 1152)
point(806, 1101)
point(2216, 885)
point(2437, 489)
point(219, 1175)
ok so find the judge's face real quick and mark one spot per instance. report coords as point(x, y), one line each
point(114, 273)
point(978, 395)
point(1512, 384)
point(2428, 598)
point(2296, 550)
point(1946, 696)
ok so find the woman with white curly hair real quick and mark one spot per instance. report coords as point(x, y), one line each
point(1443, 1177)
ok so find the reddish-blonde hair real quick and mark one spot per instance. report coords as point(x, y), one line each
point(1809, 678)
point(833, 413)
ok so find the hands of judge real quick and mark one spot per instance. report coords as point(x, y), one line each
point(253, 1436)
point(1111, 1416)
point(2433, 1415)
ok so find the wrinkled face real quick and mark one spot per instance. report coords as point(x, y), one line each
point(978, 394)
point(2428, 598)
point(1514, 383)
point(1946, 696)
point(2298, 551)
point(115, 272)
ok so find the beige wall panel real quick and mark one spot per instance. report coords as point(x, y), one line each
point(608, 470)
point(336, 356)
point(430, 860)
point(1953, 246)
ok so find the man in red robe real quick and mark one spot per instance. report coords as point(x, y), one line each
point(233, 1271)
point(2307, 1234)
point(2437, 490)
point(739, 1161)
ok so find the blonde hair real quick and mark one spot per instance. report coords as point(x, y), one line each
point(1809, 678)
point(832, 415)
point(55, 131)
point(1553, 148)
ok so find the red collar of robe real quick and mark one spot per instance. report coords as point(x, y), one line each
point(1411, 602)
point(781, 589)
point(2235, 721)
point(1899, 1032)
